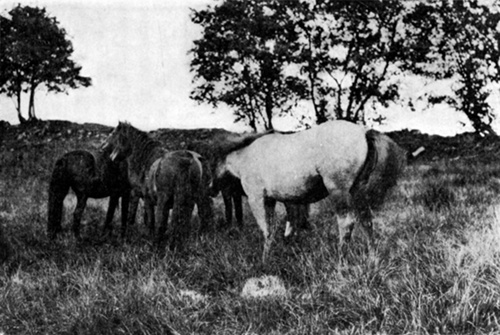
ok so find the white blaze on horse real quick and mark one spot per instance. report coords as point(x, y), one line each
point(337, 159)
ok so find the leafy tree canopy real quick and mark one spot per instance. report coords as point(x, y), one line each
point(263, 57)
point(242, 57)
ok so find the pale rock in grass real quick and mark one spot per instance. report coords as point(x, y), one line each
point(192, 296)
point(497, 182)
point(264, 287)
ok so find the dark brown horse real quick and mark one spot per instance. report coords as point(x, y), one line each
point(297, 215)
point(89, 175)
point(232, 194)
point(164, 179)
point(205, 141)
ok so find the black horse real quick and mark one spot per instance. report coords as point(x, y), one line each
point(89, 175)
point(232, 194)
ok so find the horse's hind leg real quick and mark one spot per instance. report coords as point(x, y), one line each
point(162, 213)
point(228, 207)
point(113, 202)
point(56, 203)
point(58, 189)
point(149, 216)
point(365, 218)
point(77, 215)
point(205, 210)
point(345, 226)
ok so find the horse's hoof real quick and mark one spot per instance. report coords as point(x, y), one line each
point(306, 226)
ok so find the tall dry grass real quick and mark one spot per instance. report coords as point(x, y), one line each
point(435, 268)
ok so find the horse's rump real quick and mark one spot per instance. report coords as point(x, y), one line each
point(187, 185)
point(383, 166)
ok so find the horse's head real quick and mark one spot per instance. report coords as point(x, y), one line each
point(118, 143)
point(222, 178)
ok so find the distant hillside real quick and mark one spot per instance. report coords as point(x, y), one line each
point(462, 146)
point(91, 135)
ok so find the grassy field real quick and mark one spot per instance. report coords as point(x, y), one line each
point(435, 270)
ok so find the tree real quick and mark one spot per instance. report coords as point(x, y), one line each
point(35, 51)
point(343, 56)
point(463, 40)
point(352, 51)
point(268, 55)
point(242, 57)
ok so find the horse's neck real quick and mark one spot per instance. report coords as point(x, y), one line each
point(141, 159)
point(101, 164)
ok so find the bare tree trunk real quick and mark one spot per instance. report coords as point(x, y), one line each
point(31, 112)
point(269, 105)
point(18, 107)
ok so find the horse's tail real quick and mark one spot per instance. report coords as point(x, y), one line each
point(203, 198)
point(383, 166)
point(186, 185)
point(58, 189)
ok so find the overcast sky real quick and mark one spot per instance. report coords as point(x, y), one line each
point(136, 53)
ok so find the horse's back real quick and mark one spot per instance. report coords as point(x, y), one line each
point(77, 162)
point(304, 164)
point(93, 173)
point(327, 148)
point(167, 170)
point(338, 137)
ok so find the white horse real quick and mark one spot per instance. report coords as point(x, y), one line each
point(337, 159)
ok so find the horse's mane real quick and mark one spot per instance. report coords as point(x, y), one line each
point(236, 143)
point(222, 145)
point(286, 132)
point(145, 148)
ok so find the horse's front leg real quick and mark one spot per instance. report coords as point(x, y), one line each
point(132, 208)
point(263, 211)
point(149, 216)
point(270, 208)
point(77, 215)
point(113, 202)
point(125, 210)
